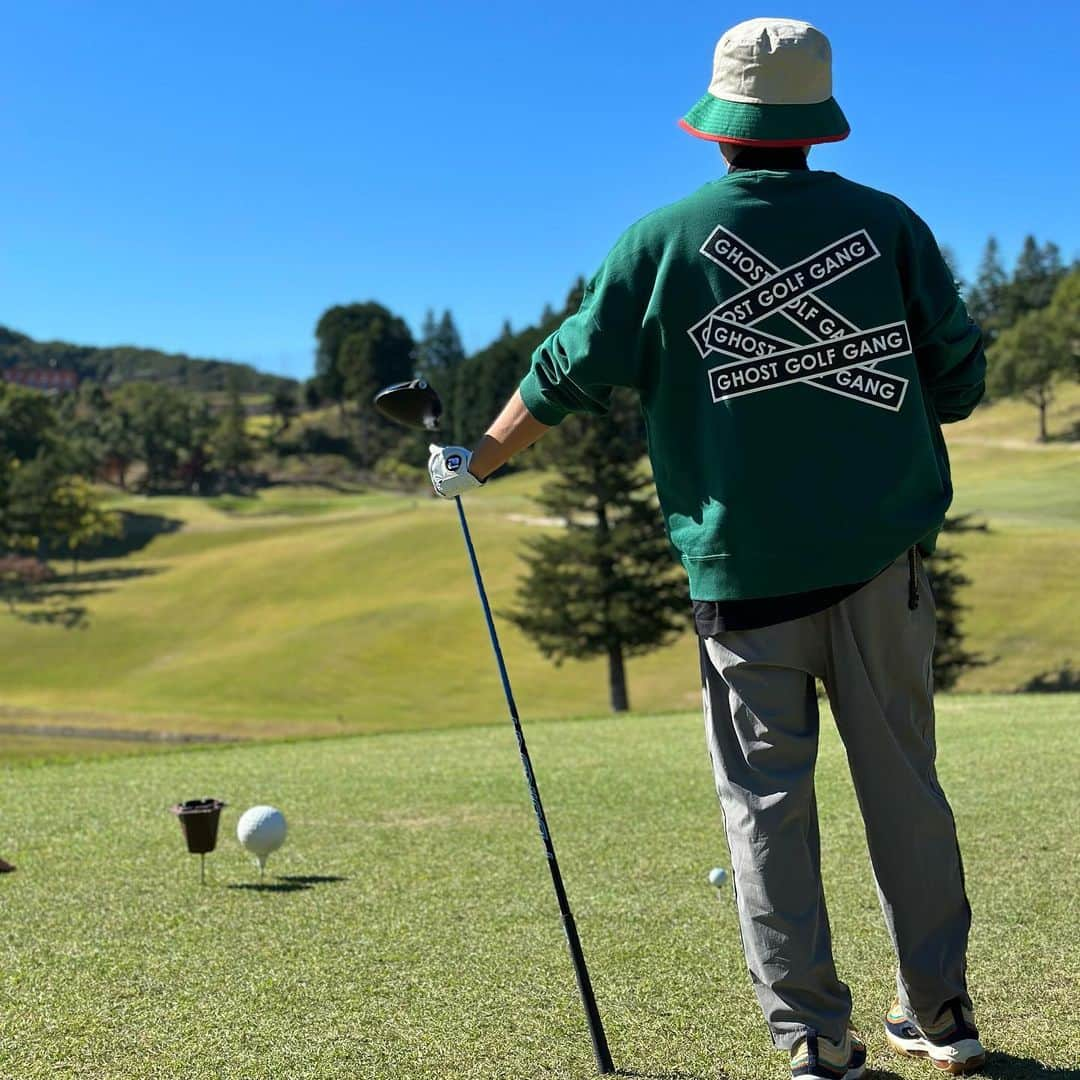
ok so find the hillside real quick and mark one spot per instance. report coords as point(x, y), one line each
point(123, 363)
point(306, 611)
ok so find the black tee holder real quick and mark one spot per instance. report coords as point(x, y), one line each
point(199, 823)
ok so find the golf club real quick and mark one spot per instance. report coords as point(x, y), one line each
point(416, 404)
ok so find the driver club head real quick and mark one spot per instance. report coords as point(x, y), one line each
point(414, 404)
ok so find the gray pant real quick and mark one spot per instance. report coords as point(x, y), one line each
point(873, 653)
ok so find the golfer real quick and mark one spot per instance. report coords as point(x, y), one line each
point(797, 341)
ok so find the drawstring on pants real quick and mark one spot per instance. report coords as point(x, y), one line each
point(913, 580)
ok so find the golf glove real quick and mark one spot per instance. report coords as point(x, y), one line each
point(448, 468)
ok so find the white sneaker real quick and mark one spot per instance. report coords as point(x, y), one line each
point(815, 1058)
point(952, 1043)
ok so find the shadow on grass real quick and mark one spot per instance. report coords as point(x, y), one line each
point(69, 616)
point(1066, 680)
point(57, 602)
point(1007, 1067)
point(73, 584)
point(289, 883)
point(1001, 1067)
point(136, 531)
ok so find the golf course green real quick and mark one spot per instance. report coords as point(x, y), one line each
point(408, 930)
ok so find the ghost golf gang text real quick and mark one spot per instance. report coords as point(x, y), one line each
point(795, 365)
point(828, 265)
point(775, 291)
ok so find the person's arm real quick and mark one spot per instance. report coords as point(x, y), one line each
point(513, 430)
point(455, 470)
point(948, 343)
point(599, 347)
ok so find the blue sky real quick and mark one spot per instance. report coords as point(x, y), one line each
point(208, 178)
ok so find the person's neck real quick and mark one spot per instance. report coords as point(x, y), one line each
point(768, 157)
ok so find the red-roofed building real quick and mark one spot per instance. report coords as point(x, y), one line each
point(51, 380)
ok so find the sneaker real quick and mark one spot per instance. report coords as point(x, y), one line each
point(952, 1043)
point(817, 1058)
point(5, 867)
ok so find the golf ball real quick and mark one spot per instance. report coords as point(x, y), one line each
point(717, 876)
point(261, 830)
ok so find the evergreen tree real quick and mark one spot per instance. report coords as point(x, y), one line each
point(486, 380)
point(440, 350)
point(951, 659)
point(607, 584)
point(986, 300)
point(1034, 279)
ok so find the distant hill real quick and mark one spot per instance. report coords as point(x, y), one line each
point(117, 364)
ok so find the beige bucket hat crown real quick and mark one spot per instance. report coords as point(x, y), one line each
point(771, 86)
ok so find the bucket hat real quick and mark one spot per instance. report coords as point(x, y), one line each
point(771, 86)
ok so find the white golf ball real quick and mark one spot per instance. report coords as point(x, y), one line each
point(261, 830)
point(717, 876)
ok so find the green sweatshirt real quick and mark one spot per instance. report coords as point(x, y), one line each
point(797, 341)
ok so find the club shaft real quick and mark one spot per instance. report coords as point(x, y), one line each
point(581, 972)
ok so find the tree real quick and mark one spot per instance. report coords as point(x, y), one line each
point(1039, 350)
point(314, 393)
point(986, 299)
point(951, 659)
point(483, 384)
point(1064, 310)
point(1035, 277)
point(285, 408)
point(72, 518)
point(169, 431)
point(607, 583)
point(396, 346)
point(359, 369)
point(485, 381)
point(45, 503)
point(230, 444)
point(439, 351)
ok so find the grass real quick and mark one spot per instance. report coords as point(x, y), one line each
point(425, 942)
point(302, 611)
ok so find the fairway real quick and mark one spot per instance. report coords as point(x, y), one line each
point(302, 611)
point(409, 931)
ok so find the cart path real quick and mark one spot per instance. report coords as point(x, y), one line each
point(116, 734)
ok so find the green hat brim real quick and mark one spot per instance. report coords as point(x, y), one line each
point(766, 125)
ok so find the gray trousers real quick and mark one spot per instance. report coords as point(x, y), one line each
point(873, 654)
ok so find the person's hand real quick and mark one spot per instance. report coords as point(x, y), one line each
point(448, 468)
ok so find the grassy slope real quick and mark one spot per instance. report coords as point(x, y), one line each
point(1025, 570)
point(309, 612)
point(437, 952)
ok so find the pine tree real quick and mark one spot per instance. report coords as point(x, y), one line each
point(439, 351)
point(985, 301)
point(607, 583)
point(1035, 277)
point(951, 659)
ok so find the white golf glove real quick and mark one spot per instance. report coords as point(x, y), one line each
point(448, 468)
